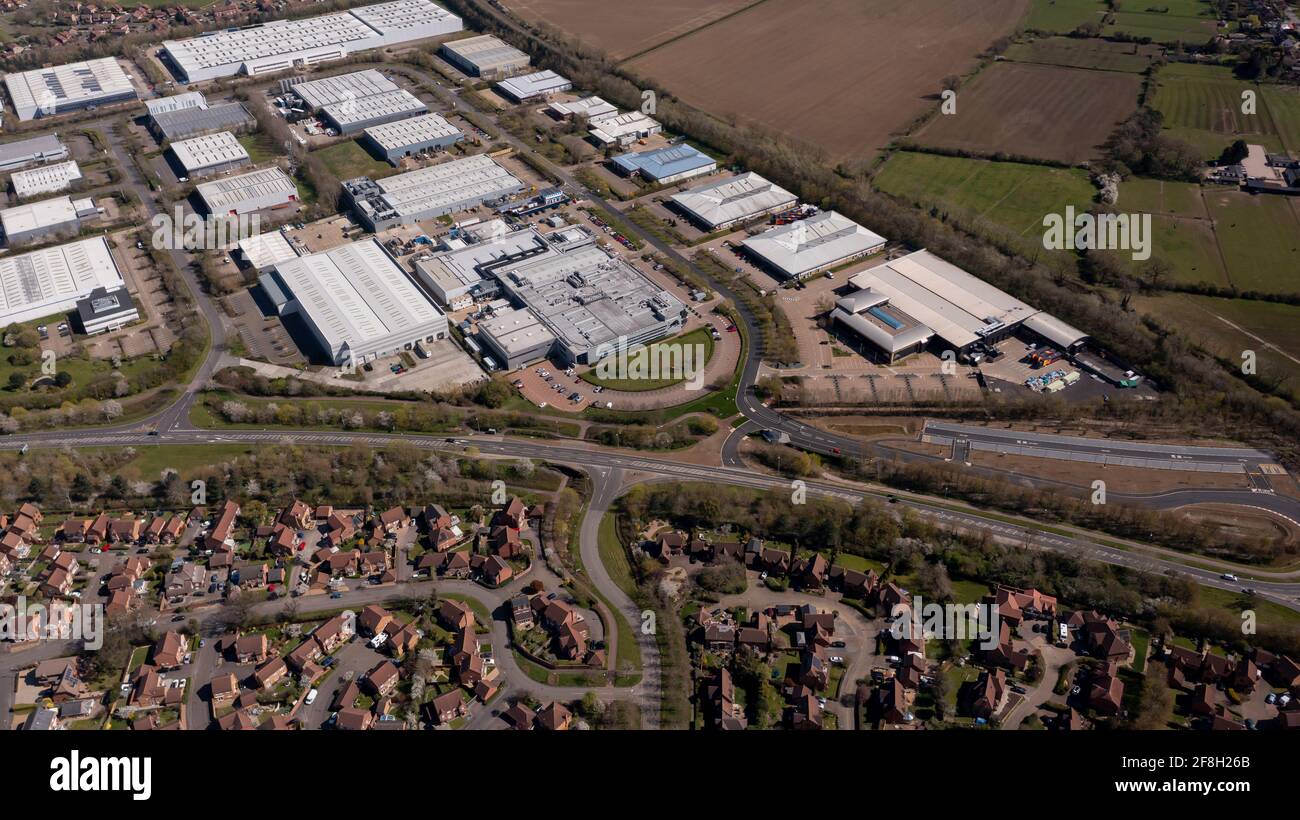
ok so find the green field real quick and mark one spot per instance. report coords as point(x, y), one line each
point(1063, 16)
point(1160, 197)
point(1203, 106)
point(1010, 198)
point(1260, 238)
point(1220, 236)
point(260, 148)
point(1226, 327)
point(1170, 21)
point(348, 160)
point(1074, 52)
point(188, 460)
point(1187, 21)
point(699, 336)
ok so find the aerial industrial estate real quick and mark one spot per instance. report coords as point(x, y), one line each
point(484, 365)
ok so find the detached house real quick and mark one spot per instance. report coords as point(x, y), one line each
point(251, 649)
point(169, 651)
point(448, 707)
point(383, 678)
point(455, 615)
point(223, 530)
point(514, 514)
point(1106, 692)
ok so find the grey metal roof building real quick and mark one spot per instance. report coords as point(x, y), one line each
point(58, 89)
point(281, 44)
point(21, 153)
point(316, 94)
point(535, 86)
point(358, 302)
point(516, 337)
point(593, 108)
point(407, 137)
point(37, 219)
point(429, 192)
point(247, 193)
point(104, 309)
point(467, 272)
point(807, 246)
point(45, 179)
point(664, 166)
point(902, 304)
point(210, 153)
point(485, 56)
point(176, 102)
point(731, 201)
point(52, 280)
point(351, 116)
point(1065, 336)
point(181, 123)
point(624, 129)
point(593, 302)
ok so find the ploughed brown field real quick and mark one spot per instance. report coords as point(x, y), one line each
point(622, 28)
point(1047, 112)
point(845, 75)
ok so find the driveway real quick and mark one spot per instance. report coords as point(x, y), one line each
point(851, 626)
point(1054, 658)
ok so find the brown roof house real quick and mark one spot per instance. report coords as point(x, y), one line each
point(448, 707)
point(1106, 692)
point(224, 689)
point(251, 648)
point(382, 678)
point(455, 615)
point(169, 652)
point(554, 716)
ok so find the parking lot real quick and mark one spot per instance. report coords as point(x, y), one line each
point(263, 336)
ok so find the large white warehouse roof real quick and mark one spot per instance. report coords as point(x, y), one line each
point(442, 185)
point(51, 280)
point(958, 307)
point(228, 193)
point(61, 88)
point(814, 243)
point(340, 87)
point(209, 150)
point(45, 178)
point(734, 200)
point(392, 136)
point(275, 46)
point(356, 296)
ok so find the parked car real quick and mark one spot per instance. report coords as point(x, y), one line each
point(311, 697)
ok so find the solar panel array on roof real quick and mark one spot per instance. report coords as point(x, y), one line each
point(280, 44)
point(46, 91)
point(352, 86)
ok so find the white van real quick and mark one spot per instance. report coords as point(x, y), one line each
point(311, 697)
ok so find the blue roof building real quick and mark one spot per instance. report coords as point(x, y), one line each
point(665, 166)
